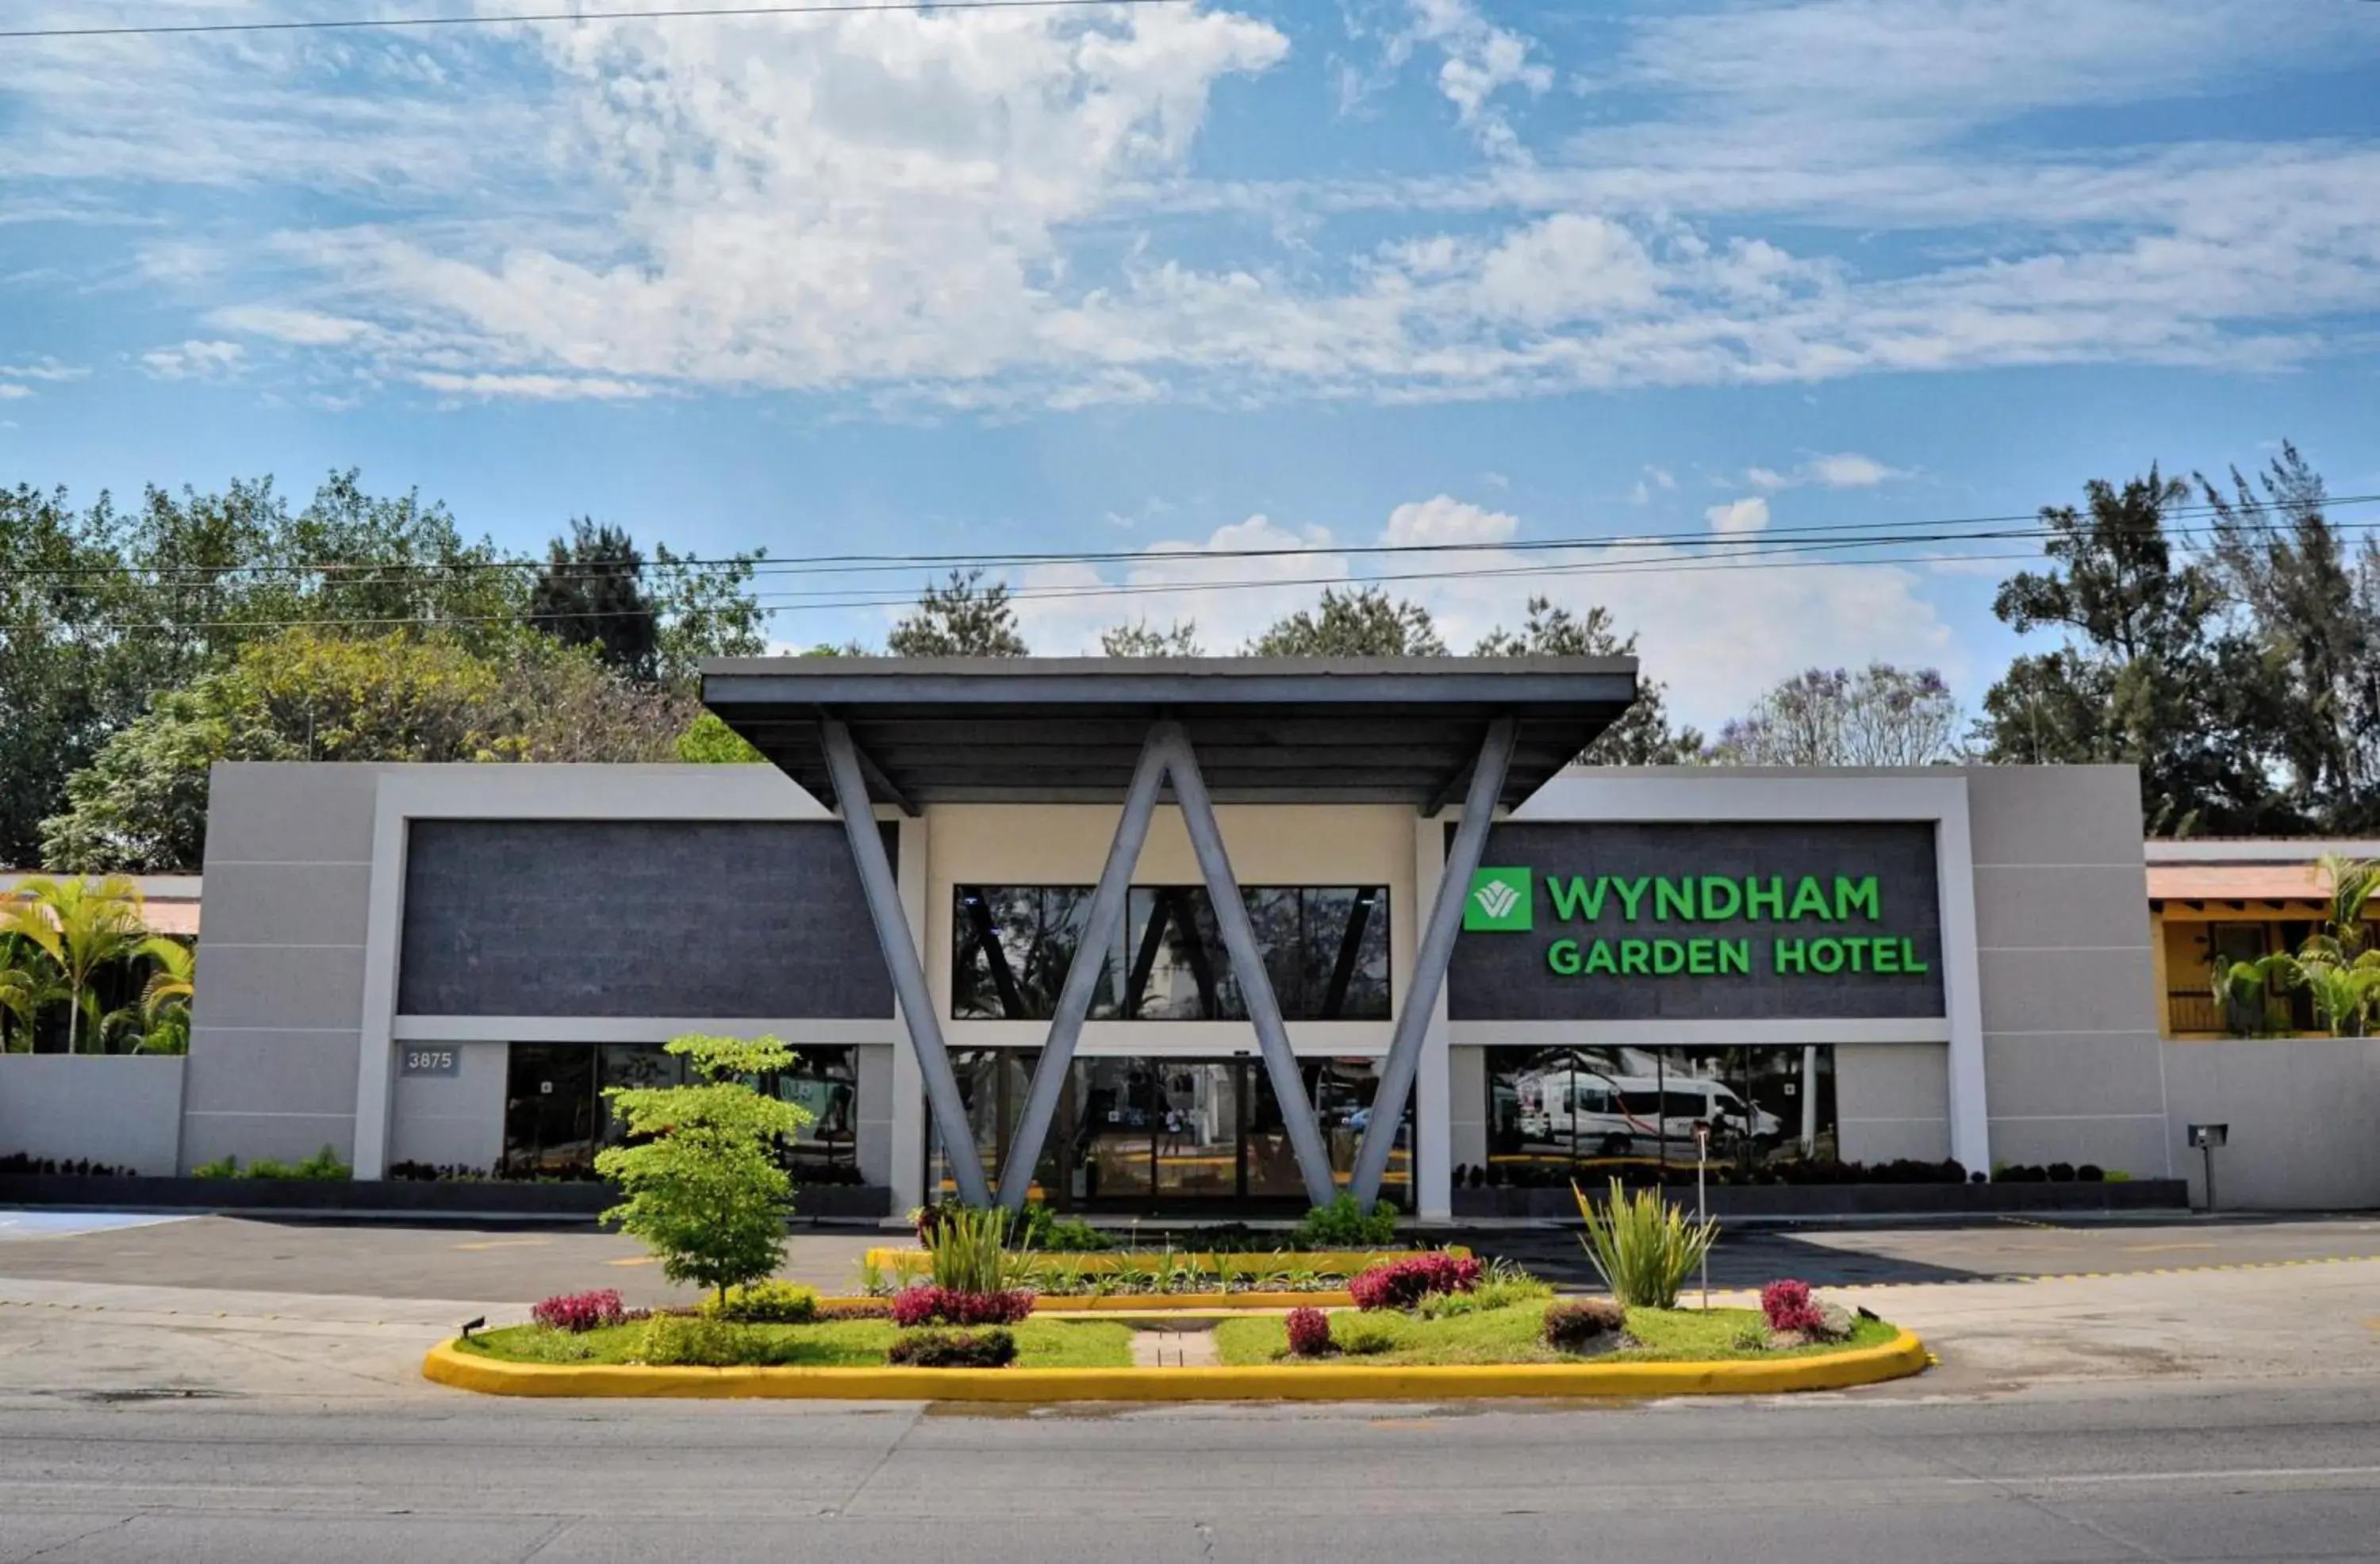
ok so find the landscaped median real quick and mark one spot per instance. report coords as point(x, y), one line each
point(1497, 1352)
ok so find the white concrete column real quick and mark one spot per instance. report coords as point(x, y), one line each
point(1433, 1104)
point(376, 1042)
point(908, 1081)
point(1962, 997)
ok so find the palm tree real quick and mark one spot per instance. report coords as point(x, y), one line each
point(29, 985)
point(166, 1001)
point(2337, 965)
point(2245, 990)
point(82, 926)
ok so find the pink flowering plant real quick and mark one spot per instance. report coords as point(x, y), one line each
point(928, 1304)
point(1400, 1284)
point(1309, 1333)
point(1789, 1306)
point(580, 1311)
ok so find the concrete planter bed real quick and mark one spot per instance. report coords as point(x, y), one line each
point(1858, 1200)
point(408, 1196)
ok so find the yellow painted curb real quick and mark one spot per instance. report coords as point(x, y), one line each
point(1093, 1262)
point(1187, 1302)
point(1322, 1382)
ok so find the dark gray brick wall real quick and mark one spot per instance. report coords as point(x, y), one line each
point(1504, 977)
point(637, 918)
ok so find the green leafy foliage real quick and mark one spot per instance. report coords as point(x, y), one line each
point(1361, 622)
point(693, 1340)
point(700, 1182)
point(1643, 1247)
point(82, 926)
point(324, 1165)
point(962, 617)
point(992, 1348)
point(307, 694)
point(766, 1302)
point(1342, 1224)
point(1643, 736)
point(711, 742)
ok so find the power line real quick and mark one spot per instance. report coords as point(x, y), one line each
point(349, 23)
point(1880, 534)
point(1753, 553)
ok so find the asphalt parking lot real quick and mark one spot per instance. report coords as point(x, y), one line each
point(520, 1263)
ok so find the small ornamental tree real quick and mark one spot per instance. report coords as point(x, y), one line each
point(700, 1181)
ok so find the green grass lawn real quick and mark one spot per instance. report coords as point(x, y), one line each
point(1509, 1335)
point(855, 1343)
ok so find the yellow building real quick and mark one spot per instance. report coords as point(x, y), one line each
point(2232, 901)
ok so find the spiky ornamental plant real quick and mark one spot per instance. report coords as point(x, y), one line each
point(1642, 1246)
point(701, 1184)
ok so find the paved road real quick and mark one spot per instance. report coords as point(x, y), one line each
point(2262, 1472)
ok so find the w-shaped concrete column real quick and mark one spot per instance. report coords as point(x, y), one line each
point(1166, 753)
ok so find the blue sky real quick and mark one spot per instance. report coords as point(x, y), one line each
point(1202, 276)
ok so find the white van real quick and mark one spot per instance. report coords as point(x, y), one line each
point(1631, 1115)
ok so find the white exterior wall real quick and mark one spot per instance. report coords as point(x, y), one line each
point(123, 1109)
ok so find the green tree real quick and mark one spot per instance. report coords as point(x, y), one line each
point(2150, 674)
point(961, 618)
point(82, 926)
point(307, 694)
point(1141, 639)
point(1365, 622)
point(591, 593)
point(711, 742)
point(1880, 716)
point(700, 1179)
point(1642, 737)
point(706, 610)
point(101, 611)
point(2315, 603)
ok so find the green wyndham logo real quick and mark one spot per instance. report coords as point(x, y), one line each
point(1500, 902)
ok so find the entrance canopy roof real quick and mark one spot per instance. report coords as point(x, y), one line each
point(1266, 730)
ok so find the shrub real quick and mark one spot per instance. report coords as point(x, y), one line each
point(855, 1308)
point(699, 1178)
point(225, 1166)
point(1787, 1305)
point(2061, 1172)
point(1750, 1338)
point(1575, 1326)
point(580, 1311)
point(1309, 1333)
point(1363, 1337)
point(928, 1304)
point(766, 1302)
point(1400, 1284)
point(968, 1251)
point(1642, 1246)
point(673, 1341)
point(953, 1348)
point(1074, 1236)
point(1342, 1224)
point(2091, 1173)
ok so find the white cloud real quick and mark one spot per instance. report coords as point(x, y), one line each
point(1479, 60)
point(195, 359)
point(306, 328)
point(44, 368)
point(534, 388)
point(1446, 520)
point(1738, 518)
point(1848, 470)
point(981, 210)
point(1717, 631)
point(14, 392)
